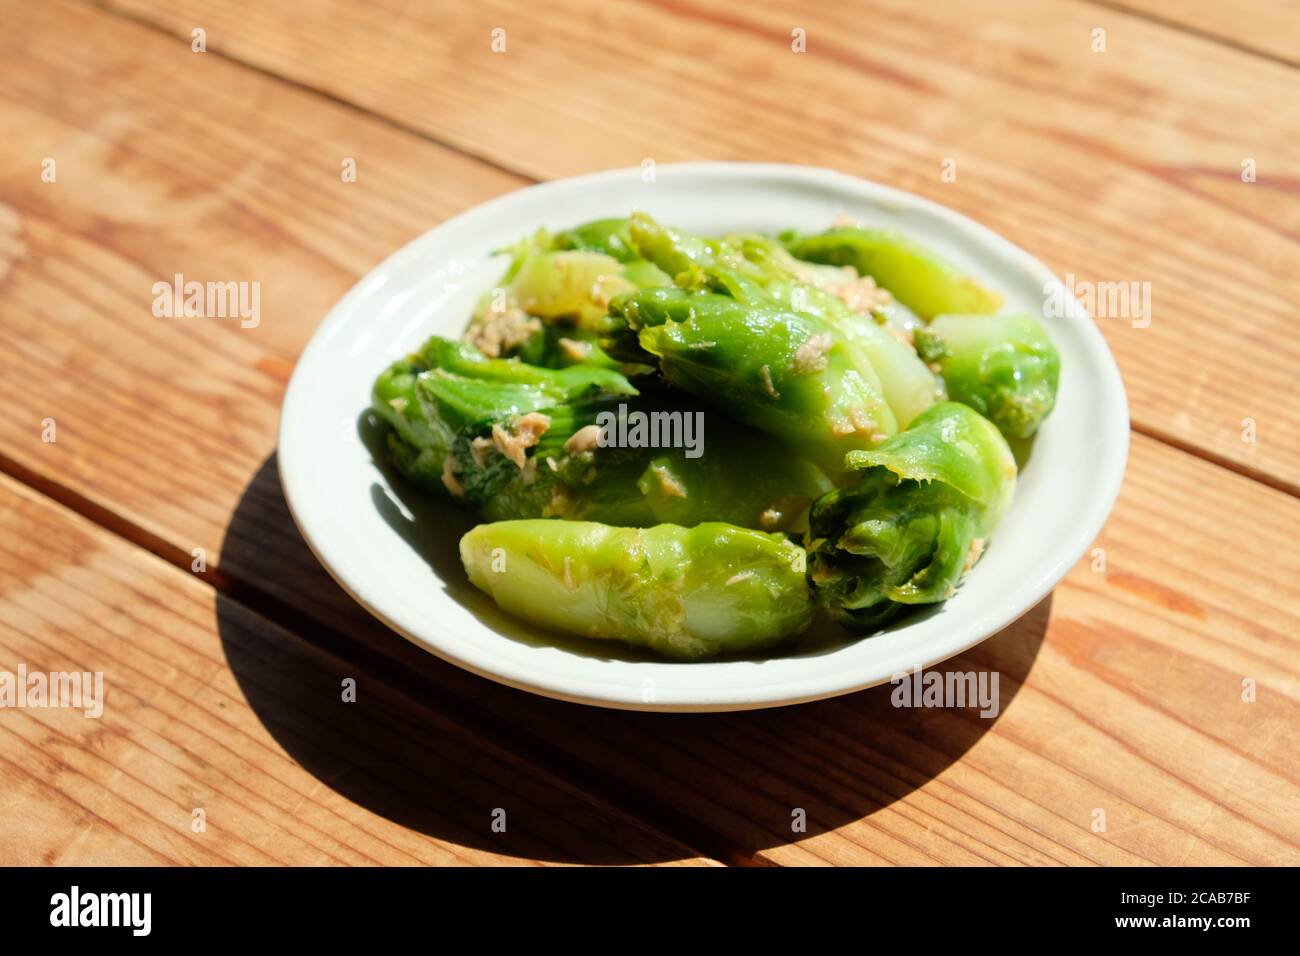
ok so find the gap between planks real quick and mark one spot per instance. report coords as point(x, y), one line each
point(1237, 468)
point(1169, 23)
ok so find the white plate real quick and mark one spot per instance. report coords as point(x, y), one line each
point(397, 555)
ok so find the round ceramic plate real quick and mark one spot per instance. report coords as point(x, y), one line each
point(397, 554)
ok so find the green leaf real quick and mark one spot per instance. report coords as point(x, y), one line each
point(915, 520)
point(918, 278)
point(685, 593)
point(1003, 366)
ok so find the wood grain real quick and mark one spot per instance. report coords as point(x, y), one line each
point(246, 724)
point(1116, 166)
point(1121, 694)
point(1267, 27)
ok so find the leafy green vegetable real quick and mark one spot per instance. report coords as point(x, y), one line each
point(916, 519)
point(431, 396)
point(493, 390)
point(610, 237)
point(563, 281)
point(570, 284)
point(774, 288)
point(1003, 366)
point(503, 437)
point(679, 255)
point(686, 593)
point(416, 446)
point(571, 474)
point(847, 303)
point(919, 279)
point(788, 373)
point(613, 512)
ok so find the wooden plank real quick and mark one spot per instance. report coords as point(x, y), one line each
point(246, 724)
point(1122, 166)
point(1121, 699)
point(1268, 27)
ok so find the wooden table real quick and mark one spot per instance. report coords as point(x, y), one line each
point(150, 540)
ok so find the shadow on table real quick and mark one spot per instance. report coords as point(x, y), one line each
point(728, 784)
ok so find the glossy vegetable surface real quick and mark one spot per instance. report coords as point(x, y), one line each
point(785, 372)
point(1003, 366)
point(643, 416)
point(516, 441)
point(918, 278)
point(687, 593)
point(914, 521)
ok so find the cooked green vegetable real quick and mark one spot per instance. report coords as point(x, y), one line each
point(837, 405)
point(849, 304)
point(606, 461)
point(1003, 366)
point(436, 394)
point(915, 521)
point(559, 346)
point(922, 281)
point(788, 373)
point(503, 437)
point(759, 274)
point(562, 282)
point(469, 389)
point(688, 594)
point(679, 255)
point(575, 284)
point(609, 237)
point(416, 446)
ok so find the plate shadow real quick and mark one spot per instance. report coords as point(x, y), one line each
point(726, 784)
